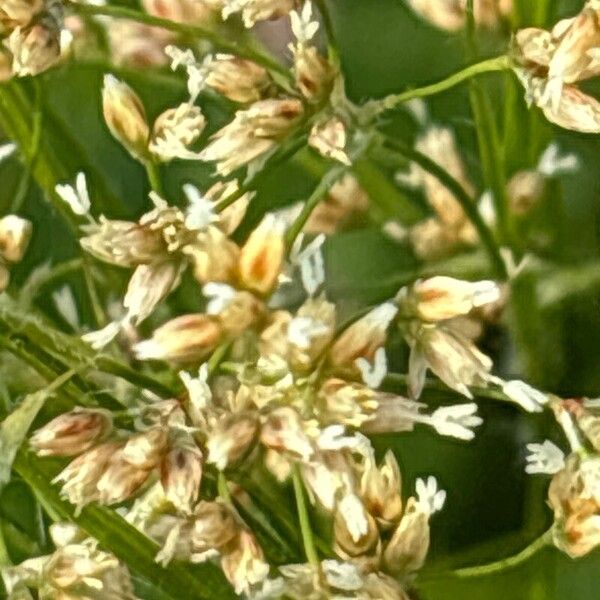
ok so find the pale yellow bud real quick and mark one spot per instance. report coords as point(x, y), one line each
point(313, 73)
point(350, 403)
point(329, 139)
point(15, 234)
point(524, 190)
point(188, 338)
point(18, 13)
point(214, 256)
point(35, 48)
point(262, 256)
point(214, 526)
point(380, 490)
point(145, 450)
point(72, 433)
point(125, 116)
point(245, 565)
point(232, 439)
point(352, 541)
point(175, 130)
point(244, 310)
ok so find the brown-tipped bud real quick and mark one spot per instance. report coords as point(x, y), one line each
point(575, 500)
point(236, 78)
point(80, 478)
point(175, 131)
point(123, 243)
point(120, 479)
point(245, 565)
point(262, 256)
point(15, 234)
point(72, 433)
point(329, 139)
point(354, 529)
point(125, 116)
point(232, 439)
point(363, 338)
point(524, 190)
point(214, 527)
point(185, 339)
point(35, 48)
point(145, 450)
point(406, 551)
point(380, 490)
point(314, 74)
point(180, 475)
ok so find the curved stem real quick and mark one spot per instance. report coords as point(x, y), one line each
point(467, 203)
point(500, 63)
point(503, 564)
point(319, 192)
point(307, 534)
point(197, 31)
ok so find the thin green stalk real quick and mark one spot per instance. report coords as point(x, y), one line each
point(498, 566)
point(220, 43)
point(305, 528)
point(4, 556)
point(499, 63)
point(223, 489)
point(332, 45)
point(97, 308)
point(467, 203)
point(318, 194)
point(154, 179)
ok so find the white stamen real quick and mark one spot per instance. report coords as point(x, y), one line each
point(546, 458)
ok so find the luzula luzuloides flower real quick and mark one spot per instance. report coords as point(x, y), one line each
point(551, 63)
point(173, 131)
point(76, 570)
point(15, 234)
point(253, 11)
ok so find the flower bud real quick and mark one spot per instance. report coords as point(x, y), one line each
point(313, 73)
point(524, 190)
point(35, 48)
point(329, 139)
point(245, 565)
point(364, 337)
point(284, 431)
point(15, 234)
point(440, 298)
point(574, 495)
point(175, 130)
point(355, 531)
point(72, 433)
point(407, 549)
point(232, 439)
point(236, 78)
point(181, 474)
point(125, 116)
point(214, 526)
point(380, 490)
point(262, 256)
point(352, 404)
point(185, 339)
point(242, 312)
point(214, 256)
point(18, 13)
point(144, 450)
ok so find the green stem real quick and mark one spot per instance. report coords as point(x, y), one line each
point(305, 528)
point(319, 192)
point(223, 489)
point(501, 565)
point(467, 203)
point(154, 179)
point(500, 63)
point(120, 12)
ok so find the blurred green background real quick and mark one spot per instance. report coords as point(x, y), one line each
point(549, 336)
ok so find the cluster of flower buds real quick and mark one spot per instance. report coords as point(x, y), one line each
point(170, 137)
point(76, 569)
point(35, 37)
point(574, 492)
point(551, 63)
point(449, 228)
point(451, 15)
point(15, 234)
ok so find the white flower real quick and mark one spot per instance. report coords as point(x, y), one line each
point(102, 337)
point(200, 212)
point(353, 512)
point(66, 306)
point(312, 266)
point(197, 387)
point(220, 296)
point(7, 150)
point(456, 421)
point(77, 197)
point(342, 575)
point(551, 162)
point(373, 374)
point(303, 27)
point(525, 396)
point(431, 500)
point(302, 331)
point(333, 438)
point(544, 458)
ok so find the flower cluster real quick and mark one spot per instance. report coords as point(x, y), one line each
point(15, 234)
